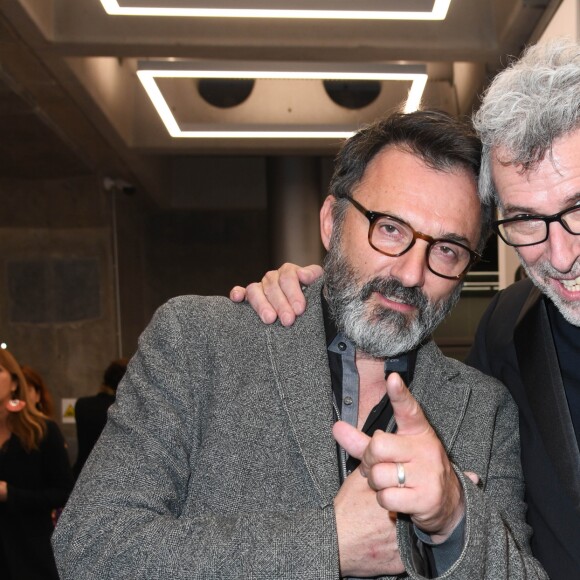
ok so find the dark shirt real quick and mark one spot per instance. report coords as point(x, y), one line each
point(567, 342)
point(341, 356)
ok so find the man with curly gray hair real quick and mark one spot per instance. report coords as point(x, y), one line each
point(529, 337)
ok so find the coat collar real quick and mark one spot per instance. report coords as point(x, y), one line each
point(539, 370)
point(443, 398)
point(300, 363)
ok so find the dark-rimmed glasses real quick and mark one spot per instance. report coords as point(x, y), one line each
point(393, 237)
point(528, 230)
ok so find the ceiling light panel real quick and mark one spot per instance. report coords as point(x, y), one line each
point(154, 75)
point(317, 9)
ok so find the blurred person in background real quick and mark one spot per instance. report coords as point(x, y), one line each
point(91, 412)
point(39, 392)
point(35, 478)
point(42, 400)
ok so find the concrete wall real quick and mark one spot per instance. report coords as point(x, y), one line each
point(57, 307)
point(65, 308)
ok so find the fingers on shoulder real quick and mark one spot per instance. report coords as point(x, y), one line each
point(237, 294)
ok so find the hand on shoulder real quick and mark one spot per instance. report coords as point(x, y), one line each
point(279, 293)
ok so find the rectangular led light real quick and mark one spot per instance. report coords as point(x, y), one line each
point(149, 71)
point(393, 9)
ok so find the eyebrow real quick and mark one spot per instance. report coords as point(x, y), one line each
point(450, 236)
point(570, 201)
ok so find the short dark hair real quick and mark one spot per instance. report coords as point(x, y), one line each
point(114, 373)
point(442, 142)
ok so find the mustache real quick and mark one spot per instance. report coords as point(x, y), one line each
point(546, 269)
point(392, 288)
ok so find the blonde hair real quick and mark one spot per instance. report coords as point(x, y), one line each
point(28, 425)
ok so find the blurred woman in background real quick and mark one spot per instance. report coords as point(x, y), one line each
point(35, 478)
point(41, 396)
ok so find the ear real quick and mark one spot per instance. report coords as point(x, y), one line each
point(326, 220)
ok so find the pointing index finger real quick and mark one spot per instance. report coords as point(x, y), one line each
point(408, 414)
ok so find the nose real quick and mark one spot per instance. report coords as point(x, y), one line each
point(410, 268)
point(564, 248)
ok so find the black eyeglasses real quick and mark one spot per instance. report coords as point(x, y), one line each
point(528, 230)
point(393, 237)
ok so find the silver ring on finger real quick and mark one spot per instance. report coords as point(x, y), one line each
point(400, 475)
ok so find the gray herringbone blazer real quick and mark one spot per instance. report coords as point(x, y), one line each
point(217, 460)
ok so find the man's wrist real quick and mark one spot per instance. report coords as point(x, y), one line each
point(454, 516)
point(439, 538)
point(444, 554)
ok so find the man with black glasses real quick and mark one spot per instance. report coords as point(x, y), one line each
point(232, 448)
point(529, 337)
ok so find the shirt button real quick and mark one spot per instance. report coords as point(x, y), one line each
point(341, 346)
point(348, 400)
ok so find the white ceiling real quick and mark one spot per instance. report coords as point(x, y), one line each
point(71, 102)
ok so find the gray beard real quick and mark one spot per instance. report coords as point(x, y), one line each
point(538, 275)
point(375, 330)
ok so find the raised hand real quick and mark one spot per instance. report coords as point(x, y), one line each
point(279, 294)
point(431, 492)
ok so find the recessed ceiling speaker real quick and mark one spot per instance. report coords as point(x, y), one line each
point(225, 93)
point(352, 94)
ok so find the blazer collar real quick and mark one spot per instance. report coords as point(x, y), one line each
point(540, 374)
point(444, 399)
point(301, 373)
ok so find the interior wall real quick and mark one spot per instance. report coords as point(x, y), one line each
point(203, 252)
point(62, 295)
point(57, 305)
point(566, 21)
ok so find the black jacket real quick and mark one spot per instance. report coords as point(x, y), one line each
point(38, 482)
point(514, 344)
point(91, 417)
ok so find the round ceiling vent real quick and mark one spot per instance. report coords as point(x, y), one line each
point(352, 94)
point(225, 93)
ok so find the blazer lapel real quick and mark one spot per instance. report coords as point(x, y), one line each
point(300, 363)
point(444, 401)
point(539, 370)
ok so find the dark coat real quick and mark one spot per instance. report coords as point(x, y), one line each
point(38, 482)
point(90, 416)
point(514, 344)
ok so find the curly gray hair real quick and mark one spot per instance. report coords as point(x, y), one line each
point(527, 106)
